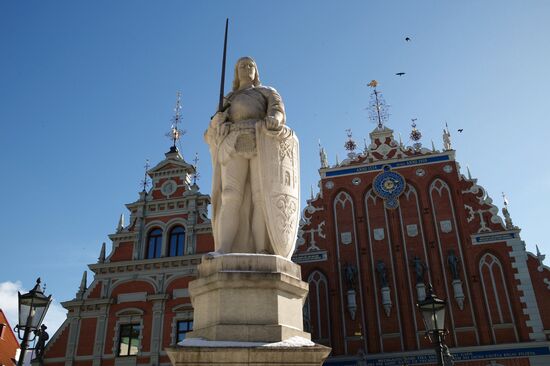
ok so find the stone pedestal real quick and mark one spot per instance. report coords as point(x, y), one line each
point(248, 298)
point(250, 301)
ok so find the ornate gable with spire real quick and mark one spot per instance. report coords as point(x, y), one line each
point(141, 282)
point(387, 222)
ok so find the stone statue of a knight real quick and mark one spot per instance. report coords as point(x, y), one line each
point(255, 159)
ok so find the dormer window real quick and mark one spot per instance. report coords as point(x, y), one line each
point(177, 242)
point(154, 243)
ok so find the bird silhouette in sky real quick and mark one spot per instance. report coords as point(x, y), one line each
point(407, 39)
point(460, 130)
point(399, 73)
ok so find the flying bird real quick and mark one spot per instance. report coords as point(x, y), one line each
point(407, 39)
point(399, 73)
point(460, 130)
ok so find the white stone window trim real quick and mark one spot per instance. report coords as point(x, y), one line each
point(182, 312)
point(128, 316)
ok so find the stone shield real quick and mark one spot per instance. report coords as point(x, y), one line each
point(279, 164)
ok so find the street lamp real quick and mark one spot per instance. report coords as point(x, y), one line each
point(32, 309)
point(433, 312)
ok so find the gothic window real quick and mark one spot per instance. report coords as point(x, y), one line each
point(316, 309)
point(177, 242)
point(154, 243)
point(182, 327)
point(128, 340)
point(497, 299)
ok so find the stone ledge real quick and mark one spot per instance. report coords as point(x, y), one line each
point(258, 263)
point(251, 356)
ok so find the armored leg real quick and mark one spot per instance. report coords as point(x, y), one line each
point(233, 177)
point(259, 229)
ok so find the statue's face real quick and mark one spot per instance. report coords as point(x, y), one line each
point(246, 71)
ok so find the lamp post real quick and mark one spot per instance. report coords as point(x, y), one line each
point(32, 309)
point(433, 312)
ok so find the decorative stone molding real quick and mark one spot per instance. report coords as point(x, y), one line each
point(519, 256)
point(386, 300)
point(458, 293)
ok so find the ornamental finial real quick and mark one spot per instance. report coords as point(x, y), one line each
point(415, 135)
point(145, 180)
point(507, 219)
point(378, 109)
point(120, 225)
point(540, 259)
point(196, 174)
point(350, 144)
point(175, 132)
point(323, 156)
point(101, 257)
point(446, 138)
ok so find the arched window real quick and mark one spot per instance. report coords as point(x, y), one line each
point(154, 243)
point(177, 241)
point(316, 308)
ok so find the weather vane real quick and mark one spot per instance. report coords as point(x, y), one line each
point(175, 133)
point(145, 181)
point(377, 106)
point(196, 175)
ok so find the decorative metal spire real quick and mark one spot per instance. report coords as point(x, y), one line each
point(145, 180)
point(507, 219)
point(311, 192)
point(378, 109)
point(337, 160)
point(323, 156)
point(446, 138)
point(175, 133)
point(101, 258)
point(415, 135)
point(469, 174)
point(350, 144)
point(196, 175)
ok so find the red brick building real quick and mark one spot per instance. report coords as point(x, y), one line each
point(389, 221)
point(8, 343)
point(137, 303)
point(385, 223)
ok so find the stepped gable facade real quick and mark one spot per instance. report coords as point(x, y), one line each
point(391, 220)
point(138, 303)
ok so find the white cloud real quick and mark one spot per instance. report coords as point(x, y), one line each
point(8, 302)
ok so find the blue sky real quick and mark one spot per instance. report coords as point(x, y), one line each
point(87, 91)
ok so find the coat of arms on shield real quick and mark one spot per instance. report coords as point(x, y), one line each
point(412, 230)
point(278, 160)
point(379, 234)
point(345, 237)
point(446, 226)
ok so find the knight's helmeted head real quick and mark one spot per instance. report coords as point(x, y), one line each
point(242, 63)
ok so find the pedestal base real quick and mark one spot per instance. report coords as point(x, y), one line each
point(248, 298)
point(250, 356)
